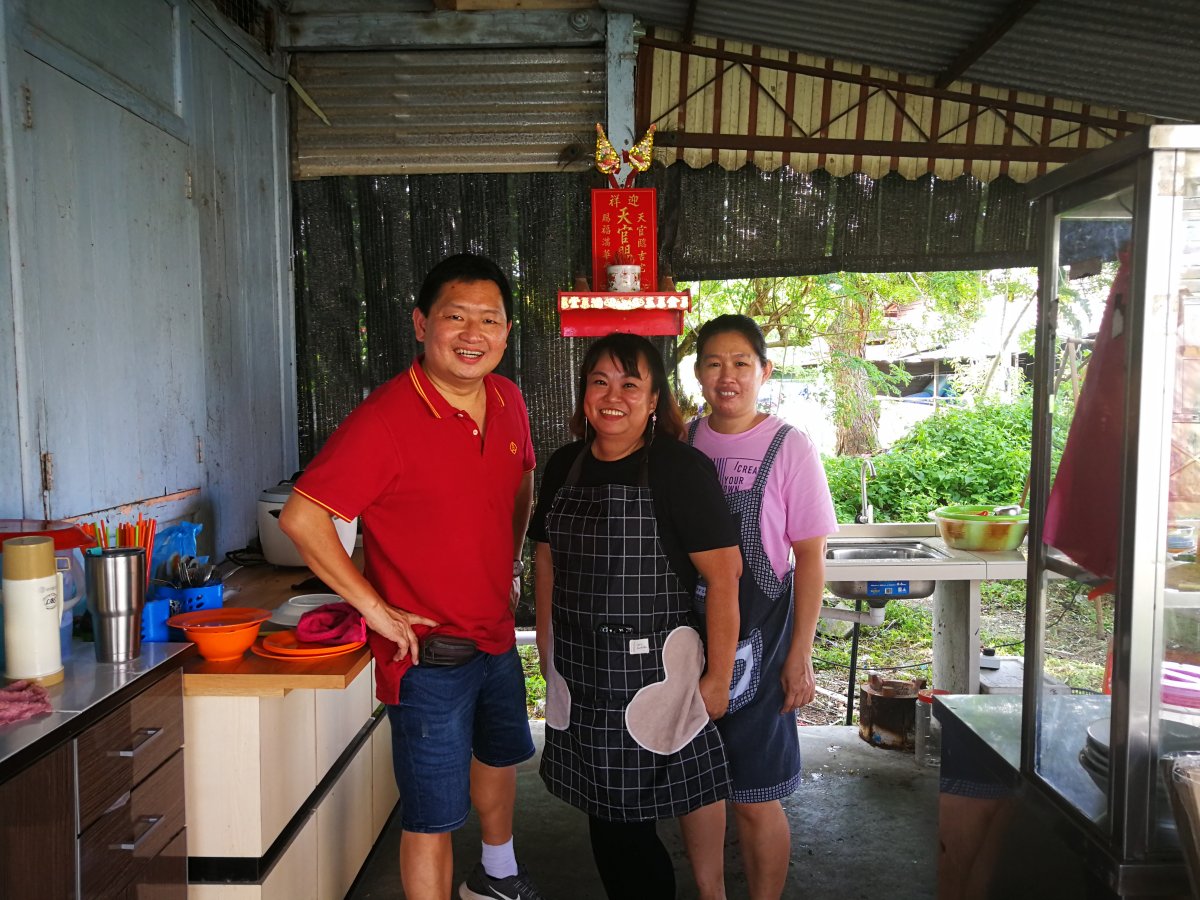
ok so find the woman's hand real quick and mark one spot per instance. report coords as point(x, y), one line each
point(715, 692)
point(799, 682)
point(721, 569)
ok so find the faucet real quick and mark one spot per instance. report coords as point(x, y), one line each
point(866, 512)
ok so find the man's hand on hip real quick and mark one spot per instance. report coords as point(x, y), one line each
point(397, 625)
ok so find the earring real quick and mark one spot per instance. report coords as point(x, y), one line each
point(653, 422)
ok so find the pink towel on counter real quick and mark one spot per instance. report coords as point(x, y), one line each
point(333, 623)
point(23, 700)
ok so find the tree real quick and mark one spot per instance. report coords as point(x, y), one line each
point(842, 313)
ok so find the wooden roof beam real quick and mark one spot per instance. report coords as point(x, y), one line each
point(981, 45)
point(907, 87)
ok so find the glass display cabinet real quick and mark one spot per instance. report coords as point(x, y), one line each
point(1118, 512)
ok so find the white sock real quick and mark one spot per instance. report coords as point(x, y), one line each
point(499, 861)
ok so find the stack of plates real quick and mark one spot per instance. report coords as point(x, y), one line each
point(288, 613)
point(1094, 755)
point(285, 645)
point(1173, 736)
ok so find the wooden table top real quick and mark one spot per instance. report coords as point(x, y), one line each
point(266, 587)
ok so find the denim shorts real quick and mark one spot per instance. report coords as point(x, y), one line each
point(444, 717)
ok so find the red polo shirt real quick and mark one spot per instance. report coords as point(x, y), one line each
point(436, 499)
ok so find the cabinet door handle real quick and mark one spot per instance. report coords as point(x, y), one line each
point(147, 824)
point(141, 738)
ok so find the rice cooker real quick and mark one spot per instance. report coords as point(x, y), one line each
point(277, 547)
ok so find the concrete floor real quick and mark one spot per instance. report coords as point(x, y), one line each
point(864, 825)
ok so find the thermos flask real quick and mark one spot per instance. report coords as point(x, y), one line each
point(33, 610)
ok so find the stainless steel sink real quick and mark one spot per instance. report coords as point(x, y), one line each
point(878, 592)
point(882, 553)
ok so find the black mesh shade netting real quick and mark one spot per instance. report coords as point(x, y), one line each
point(363, 244)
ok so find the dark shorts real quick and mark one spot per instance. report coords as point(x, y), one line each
point(444, 717)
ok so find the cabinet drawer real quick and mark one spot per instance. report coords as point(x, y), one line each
point(127, 745)
point(117, 849)
point(165, 876)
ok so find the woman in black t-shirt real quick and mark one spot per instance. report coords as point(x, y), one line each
point(627, 520)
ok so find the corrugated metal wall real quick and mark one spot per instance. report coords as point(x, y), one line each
point(438, 111)
point(1138, 55)
point(149, 340)
point(732, 112)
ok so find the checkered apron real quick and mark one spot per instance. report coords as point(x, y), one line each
point(615, 601)
point(762, 745)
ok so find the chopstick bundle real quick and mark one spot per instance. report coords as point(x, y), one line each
point(128, 534)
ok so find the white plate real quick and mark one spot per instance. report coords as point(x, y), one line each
point(289, 612)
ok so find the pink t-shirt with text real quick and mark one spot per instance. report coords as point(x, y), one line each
point(796, 504)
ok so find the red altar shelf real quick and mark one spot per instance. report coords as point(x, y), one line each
point(595, 314)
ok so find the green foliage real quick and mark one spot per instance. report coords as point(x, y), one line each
point(535, 684)
point(1004, 594)
point(972, 455)
point(844, 311)
point(842, 475)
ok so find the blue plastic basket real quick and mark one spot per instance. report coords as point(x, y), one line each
point(167, 601)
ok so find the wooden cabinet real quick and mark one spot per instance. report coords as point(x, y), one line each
point(102, 816)
point(296, 810)
point(37, 830)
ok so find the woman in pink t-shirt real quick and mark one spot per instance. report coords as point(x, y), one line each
point(776, 488)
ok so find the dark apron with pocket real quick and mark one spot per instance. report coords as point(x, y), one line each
point(761, 743)
point(615, 603)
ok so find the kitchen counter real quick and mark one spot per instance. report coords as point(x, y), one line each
point(295, 811)
point(956, 598)
point(959, 565)
point(982, 735)
point(88, 692)
point(266, 587)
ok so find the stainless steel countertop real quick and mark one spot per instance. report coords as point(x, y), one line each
point(959, 565)
point(86, 693)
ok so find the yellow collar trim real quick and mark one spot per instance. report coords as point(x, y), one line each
point(412, 374)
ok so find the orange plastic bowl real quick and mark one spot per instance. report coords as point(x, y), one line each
point(221, 635)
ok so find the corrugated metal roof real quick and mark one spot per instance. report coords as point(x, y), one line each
point(423, 111)
point(1136, 55)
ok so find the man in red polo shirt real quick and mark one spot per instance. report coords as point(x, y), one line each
point(438, 462)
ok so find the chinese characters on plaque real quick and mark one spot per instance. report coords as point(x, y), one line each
point(625, 232)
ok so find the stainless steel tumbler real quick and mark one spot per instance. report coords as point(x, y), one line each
point(116, 580)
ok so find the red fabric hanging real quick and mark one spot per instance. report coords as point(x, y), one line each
point(1083, 515)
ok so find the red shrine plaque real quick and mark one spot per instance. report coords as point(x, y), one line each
point(625, 232)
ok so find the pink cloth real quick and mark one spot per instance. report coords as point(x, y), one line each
point(333, 623)
point(23, 700)
point(796, 505)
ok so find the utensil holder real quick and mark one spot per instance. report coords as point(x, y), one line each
point(169, 601)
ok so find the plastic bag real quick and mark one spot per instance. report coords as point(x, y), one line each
point(170, 545)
